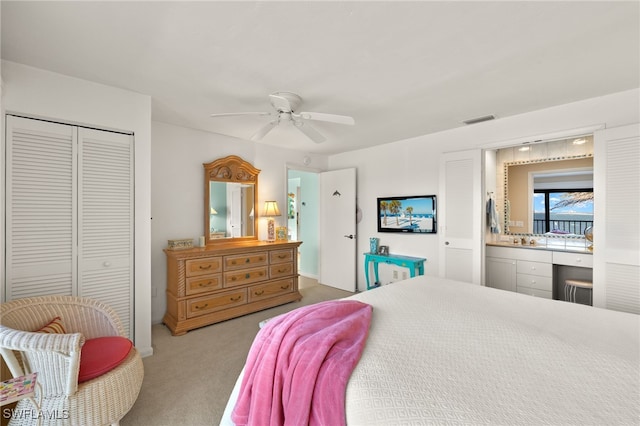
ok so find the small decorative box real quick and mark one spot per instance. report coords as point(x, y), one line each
point(185, 243)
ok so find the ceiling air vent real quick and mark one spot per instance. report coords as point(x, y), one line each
point(479, 119)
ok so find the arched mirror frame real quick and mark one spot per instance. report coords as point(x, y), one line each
point(231, 169)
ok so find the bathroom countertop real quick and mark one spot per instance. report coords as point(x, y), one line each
point(560, 245)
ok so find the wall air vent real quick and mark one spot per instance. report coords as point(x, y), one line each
point(479, 119)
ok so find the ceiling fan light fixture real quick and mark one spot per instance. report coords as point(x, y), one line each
point(479, 119)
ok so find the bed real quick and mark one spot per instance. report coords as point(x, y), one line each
point(441, 351)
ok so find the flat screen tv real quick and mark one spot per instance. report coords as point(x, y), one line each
point(411, 214)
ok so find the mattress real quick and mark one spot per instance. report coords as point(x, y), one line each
point(442, 351)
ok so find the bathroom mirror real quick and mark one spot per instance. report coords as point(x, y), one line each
point(551, 197)
point(231, 188)
point(548, 187)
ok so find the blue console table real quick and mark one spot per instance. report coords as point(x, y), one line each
point(413, 263)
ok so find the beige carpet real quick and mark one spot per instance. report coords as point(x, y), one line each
point(189, 378)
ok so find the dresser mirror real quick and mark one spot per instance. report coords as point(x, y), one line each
point(230, 200)
point(549, 190)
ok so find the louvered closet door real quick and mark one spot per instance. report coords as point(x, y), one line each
point(40, 214)
point(105, 219)
point(616, 252)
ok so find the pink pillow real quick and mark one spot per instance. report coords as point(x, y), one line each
point(101, 355)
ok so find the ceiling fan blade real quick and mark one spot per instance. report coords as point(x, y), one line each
point(230, 114)
point(280, 103)
point(311, 133)
point(262, 131)
point(321, 116)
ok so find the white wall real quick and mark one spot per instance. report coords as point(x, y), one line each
point(177, 189)
point(40, 93)
point(411, 166)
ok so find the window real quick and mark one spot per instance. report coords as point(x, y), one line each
point(562, 211)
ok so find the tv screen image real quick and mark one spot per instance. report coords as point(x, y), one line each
point(410, 214)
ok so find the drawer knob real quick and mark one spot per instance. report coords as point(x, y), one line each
point(202, 306)
point(533, 268)
point(106, 264)
point(247, 275)
point(258, 293)
point(533, 281)
point(578, 260)
point(282, 256)
point(284, 287)
point(235, 299)
point(205, 267)
point(247, 260)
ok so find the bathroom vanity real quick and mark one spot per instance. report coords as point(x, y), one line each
point(536, 270)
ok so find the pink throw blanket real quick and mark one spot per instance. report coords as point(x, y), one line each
point(299, 364)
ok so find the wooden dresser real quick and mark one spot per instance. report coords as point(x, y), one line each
point(215, 283)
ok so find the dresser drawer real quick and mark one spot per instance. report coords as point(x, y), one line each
point(203, 284)
point(207, 265)
point(280, 256)
point(534, 268)
point(534, 281)
point(246, 276)
point(242, 261)
point(264, 291)
point(281, 270)
point(218, 302)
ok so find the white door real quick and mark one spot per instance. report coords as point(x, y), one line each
point(616, 238)
point(234, 218)
point(105, 220)
point(338, 229)
point(460, 216)
point(41, 215)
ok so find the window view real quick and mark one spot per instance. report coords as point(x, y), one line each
point(562, 212)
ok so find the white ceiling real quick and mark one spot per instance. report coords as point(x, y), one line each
point(401, 69)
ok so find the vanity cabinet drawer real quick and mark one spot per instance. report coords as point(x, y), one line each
point(218, 302)
point(245, 261)
point(280, 256)
point(535, 268)
point(272, 289)
point(536, 292)
point(281, 270)
point(246, 276)
point(534, 281)
point(208, 265)
point(573, 259)
point(203, 284)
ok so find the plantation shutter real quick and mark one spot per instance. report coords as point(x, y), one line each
point(105, 255)
point(40, 215)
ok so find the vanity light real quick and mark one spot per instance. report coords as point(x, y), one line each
point(270, 211)
point(580, 141)
point(524, 148)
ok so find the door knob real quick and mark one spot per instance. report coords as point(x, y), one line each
point(350, 236)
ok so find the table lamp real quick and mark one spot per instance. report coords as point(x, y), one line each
point(270, 211)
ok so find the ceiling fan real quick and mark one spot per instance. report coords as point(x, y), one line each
point(286, 110)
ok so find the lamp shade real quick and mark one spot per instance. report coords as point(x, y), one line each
point(271, 209)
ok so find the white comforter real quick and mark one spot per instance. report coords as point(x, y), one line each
point(447, 352)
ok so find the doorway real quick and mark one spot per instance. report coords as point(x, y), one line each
point(303, 213)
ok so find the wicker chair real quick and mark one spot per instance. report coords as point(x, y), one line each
point(101, 401)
